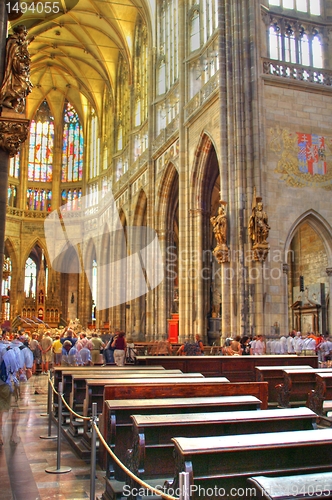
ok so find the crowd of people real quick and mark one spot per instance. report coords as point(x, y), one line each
point(307, 344)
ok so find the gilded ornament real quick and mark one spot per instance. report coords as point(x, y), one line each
point(16, 83)
point(219, 223)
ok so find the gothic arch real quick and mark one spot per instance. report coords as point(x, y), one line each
point(32, 245)
point(168, 189)
point(9, 247)
point(319, 224)
point(140, 209)
point(201, 182)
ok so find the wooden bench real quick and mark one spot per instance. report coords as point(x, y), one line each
point(228, 461)
point(67, 385)
point(152, 434)
point(118, 430)
point(273, 375)
point(78, 387)
point(300, 487)
point(296, 386)
point(321, 393)
point(235, 368)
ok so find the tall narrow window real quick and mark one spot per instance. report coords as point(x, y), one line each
point(41, 145)
point(94, 146)
point(30, 280)
point(275, 42)
point(317, 53)
point(72, 146)
point(6, 287)
point(194, 31)
point(12, 195)
point(14, 166)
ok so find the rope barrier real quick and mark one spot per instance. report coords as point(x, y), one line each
point(67, 406)
point(108, 449)
point(128, 471)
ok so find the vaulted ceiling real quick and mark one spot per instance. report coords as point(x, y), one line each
point(74, 53)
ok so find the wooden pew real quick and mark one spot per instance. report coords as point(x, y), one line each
point(118, 430)
point(235, 368)
point(273, 375)
point(58, 376)
point(299, 487)
point(78, 387)
point(228, 461)
point(296, 386)
point(321, 393)
point(152, 434)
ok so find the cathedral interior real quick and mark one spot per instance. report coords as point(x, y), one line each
point(198, 129)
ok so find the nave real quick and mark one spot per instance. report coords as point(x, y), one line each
point(22, 465)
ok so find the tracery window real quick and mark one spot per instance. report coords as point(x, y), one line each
point(312, 7)
point(295, 44)
point(71, 198)
point(72, 145)
point(41, 145)
point(140, 74)
point(168, 40)
point(30, 280)
point(39, 199)
point(122, 105)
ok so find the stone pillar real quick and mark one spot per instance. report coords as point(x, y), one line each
point(329, 311)
point(4, 155)
point(284, 324)
point(259, 298)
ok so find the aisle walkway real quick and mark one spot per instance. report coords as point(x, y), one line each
point(24, 456)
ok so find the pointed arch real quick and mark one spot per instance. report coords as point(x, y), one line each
point(168, 188)
point(202, 183)
point(319, 224)
point(140, 209)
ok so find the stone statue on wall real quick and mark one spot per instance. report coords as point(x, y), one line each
point(258, 229)
point(219, 223)
point(16, 83)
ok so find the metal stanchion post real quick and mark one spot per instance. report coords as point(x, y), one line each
point(58, 469)
point(184, 485)
point(49, 412)
point(93, 452)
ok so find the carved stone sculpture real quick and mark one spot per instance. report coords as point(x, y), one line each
point(219, 223)
point(259, 230)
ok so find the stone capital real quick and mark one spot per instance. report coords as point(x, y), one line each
point(13, 132)
point(329, 271)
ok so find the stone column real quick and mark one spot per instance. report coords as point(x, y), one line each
point(4, 155)
point(284, 325)
point(329, 312)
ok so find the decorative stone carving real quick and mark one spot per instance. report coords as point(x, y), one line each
point(12, 134)
point(258, 229)
point(16, 84)
point(219, 223)
point(329, 271)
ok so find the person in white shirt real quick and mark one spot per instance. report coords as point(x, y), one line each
point(290, 343)
point(259, 346)
point(283, 345)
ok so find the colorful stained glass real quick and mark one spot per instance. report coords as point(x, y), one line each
point(72, 146)
point(41, 145)
point(71, 198)
point(14, 166)
point(39, 199)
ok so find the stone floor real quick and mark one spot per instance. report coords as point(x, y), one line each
point(24, 456)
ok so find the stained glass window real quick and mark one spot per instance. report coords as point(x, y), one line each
point(12, 195)
point(14, 166)
point(41, 145)
point(71, 198)
point(39, 199)
point(30, 278)
point(72, 145)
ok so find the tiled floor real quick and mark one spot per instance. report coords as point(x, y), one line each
point(22, 465)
